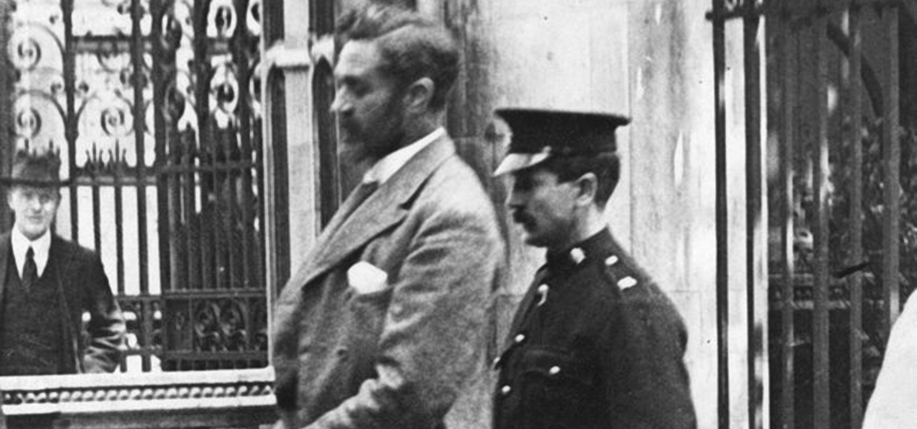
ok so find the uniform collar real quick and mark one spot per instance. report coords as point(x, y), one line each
point(599, 245)
point(21, 244)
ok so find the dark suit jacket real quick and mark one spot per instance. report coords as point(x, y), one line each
point(396, 357)
point(83, 286)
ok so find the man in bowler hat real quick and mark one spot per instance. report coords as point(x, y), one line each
point(594, 343)
point(47, 283)
point(383, 325)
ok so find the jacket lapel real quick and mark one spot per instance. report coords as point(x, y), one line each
point(5, 251)
point(62, 255)
point(383, 209)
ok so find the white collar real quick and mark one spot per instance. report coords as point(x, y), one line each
point(21, 244)
point(386, 167)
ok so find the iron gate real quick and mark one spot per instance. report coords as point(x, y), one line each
point(155, 104)
point(842, 165)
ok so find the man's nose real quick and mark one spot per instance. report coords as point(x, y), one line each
point(34, 203)
point(515, 199)
point(340, 106)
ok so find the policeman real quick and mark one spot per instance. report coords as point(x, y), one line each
point(595, 343)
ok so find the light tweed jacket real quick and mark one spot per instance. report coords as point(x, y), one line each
point(394, 357)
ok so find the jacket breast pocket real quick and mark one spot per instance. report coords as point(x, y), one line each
point(366, 316)
point(559, 390)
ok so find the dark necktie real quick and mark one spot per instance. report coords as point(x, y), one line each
point(29, 270)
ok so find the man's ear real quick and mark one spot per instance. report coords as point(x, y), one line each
point(586, 188)
point(419, 94)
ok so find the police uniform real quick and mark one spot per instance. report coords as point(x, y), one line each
point(594, 343)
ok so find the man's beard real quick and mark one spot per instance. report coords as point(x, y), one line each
point(366, 150)
point(369, 153)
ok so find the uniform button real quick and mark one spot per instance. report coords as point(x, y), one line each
point(519, 338)
point(577, 255)
point(611, 260)
point(505, 390)
point(496, 362)
point(554, 370)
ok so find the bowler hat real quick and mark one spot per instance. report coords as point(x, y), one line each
point(39, 168)
point(538, 135)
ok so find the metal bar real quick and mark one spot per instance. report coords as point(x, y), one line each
point(158, 75)
point(145, 308)
point(221, 226)
point(752, 9)
point(118, 172)
point(70, 123)
point(202, 77)
point(763, 8)
point(137, 81)
point(892, 160)
point(7, 113)
point(788, 80)
point(260, 263)
point(126, 180)
point(756, 239)
point(96, 159)
point(855, 283)
point(225, 167)
point(820, 344)
point(722, 230)
point(192, 266)
point(245, 114)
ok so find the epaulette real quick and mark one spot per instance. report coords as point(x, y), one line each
point(619, 274)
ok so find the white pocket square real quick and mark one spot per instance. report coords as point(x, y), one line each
point(366, 278)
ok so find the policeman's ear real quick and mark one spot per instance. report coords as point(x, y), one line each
point(586, 188)
point(418, 95)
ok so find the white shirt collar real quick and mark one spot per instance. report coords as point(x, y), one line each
point(21, 244)
point(386, 167)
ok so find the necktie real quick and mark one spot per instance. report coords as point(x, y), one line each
point(29, 270)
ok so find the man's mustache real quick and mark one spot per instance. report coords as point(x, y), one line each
point(522, 218)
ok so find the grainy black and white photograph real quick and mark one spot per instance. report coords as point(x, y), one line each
point(458, 214)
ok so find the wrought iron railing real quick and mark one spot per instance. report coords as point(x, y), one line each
point(838, 222)
point(156, 107)
point(836, 209)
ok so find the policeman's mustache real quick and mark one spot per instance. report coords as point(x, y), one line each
point(522, 218)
